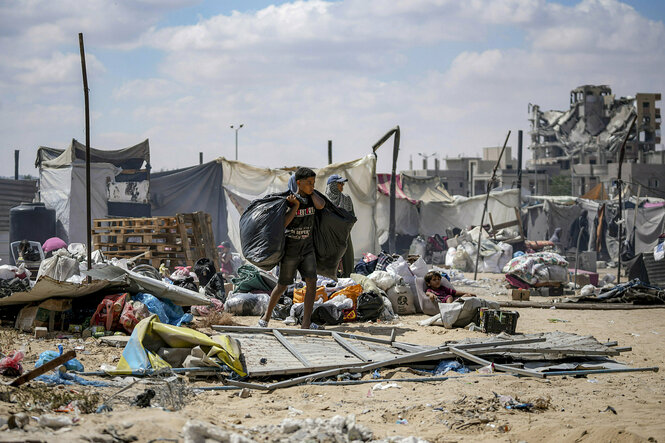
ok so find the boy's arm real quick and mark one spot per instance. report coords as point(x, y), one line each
point(291, 214)
point(318, 202)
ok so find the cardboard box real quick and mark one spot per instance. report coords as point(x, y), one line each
point(520, 294)
point(50, 314)
point(41, 332)
point(228, 287)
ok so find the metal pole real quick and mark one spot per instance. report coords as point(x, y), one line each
point(200, 158)
point(329, 152)
point(572, 188)
point(16, 151)
point(237, 143)
point(87, 156)
point(622, 154)
point(382, 140)
point(519, 164)
point(487, 197)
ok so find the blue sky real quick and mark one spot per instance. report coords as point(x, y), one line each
point(456, 76)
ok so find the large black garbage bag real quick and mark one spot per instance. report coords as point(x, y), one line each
point(331, 231)
point(215, 287)
point(204, 268)
point(322, 314)
point(262, 230)
point(370, 306)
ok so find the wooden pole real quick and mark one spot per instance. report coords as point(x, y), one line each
point(487, 197)
point(329, 152)
point(88, 211)
point(62, 359)
point(622, 154)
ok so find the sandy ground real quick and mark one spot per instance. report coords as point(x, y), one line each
point(458, 409)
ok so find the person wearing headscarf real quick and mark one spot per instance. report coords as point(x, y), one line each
point(335, 186)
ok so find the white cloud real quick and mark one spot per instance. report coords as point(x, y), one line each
point(301, 73)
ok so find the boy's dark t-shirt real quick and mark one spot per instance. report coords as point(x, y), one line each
point(299, 231)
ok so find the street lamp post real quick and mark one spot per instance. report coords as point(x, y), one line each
point(237, 129)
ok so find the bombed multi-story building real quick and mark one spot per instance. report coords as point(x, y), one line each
point(585, 141)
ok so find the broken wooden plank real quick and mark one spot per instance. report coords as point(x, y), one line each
point(294, 331)
point(244, 384)
point(349, 347)
point(64, 358)
point(502, 368)
point(291, 348)
point(580, 306)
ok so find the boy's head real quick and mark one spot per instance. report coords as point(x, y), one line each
point(432, 277)
point(305, 178)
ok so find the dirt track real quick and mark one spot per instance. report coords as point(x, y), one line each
point(458, 409)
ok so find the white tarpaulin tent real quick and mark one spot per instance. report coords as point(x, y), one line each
point(243, 183)
point(63, 189)
point(435, 217)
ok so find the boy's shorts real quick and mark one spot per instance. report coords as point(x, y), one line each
point(298, 256)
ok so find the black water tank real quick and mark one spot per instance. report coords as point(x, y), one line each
point(30, 221)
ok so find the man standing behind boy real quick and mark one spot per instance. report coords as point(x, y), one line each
point(299, 245)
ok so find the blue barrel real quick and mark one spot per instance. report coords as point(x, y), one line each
point(31, 221)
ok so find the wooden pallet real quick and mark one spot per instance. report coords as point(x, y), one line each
point(178, 240)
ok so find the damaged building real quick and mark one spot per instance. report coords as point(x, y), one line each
point(585, 141)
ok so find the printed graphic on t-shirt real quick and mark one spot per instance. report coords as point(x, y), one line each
point(301, 226)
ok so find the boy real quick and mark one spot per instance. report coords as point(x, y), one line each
point(299, 245)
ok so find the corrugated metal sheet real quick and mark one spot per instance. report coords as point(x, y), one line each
point(655, 269)
point(4, 247)
point(12, 193)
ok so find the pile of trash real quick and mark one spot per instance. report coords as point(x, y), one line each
point(337, 428)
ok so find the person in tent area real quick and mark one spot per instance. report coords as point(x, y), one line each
point(225, 258)
point(299, 245)
point(343, 201)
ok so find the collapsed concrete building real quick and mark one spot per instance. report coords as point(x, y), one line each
point(585, 141)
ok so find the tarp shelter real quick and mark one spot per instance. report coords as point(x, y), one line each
point(223, 188)
point(118, 185)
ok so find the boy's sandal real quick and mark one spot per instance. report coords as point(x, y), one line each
point(315, 326)
point(262, 323)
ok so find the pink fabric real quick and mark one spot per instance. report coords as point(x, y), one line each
point(654, 205)
point(53, 244)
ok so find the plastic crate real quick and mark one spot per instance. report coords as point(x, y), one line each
point(495, 321)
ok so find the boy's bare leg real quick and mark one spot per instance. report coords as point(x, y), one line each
point(310, 294)
point(274, 299)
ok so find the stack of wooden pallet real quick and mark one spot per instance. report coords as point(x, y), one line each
point(176, 241)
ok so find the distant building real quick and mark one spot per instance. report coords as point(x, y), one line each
point(468, 176)
point(585, 140)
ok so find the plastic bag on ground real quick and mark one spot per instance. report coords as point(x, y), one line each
point(491, 263)
point(387, 314)
point(383, 279)
point(299, 294)
point(167, 312)
point(370, 306)
point(59, 267)
point(399, 267)
point(401, 298)
point(10, 365)
point(418, 246)
point(419, 267)
point(47, 356)
point(247, 304)
point(461, 260)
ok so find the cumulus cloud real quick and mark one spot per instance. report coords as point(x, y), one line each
point(300, 73)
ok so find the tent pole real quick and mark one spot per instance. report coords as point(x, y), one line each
point(622, 153)
point(393, 190)
point(87, 157)
point(487, 197)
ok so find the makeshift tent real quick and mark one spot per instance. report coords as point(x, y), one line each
point(436, 217)
point(243, 183)
point(118, 185)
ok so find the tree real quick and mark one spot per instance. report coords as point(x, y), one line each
point(560, 185)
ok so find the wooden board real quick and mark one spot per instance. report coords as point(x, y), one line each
point(264, 354)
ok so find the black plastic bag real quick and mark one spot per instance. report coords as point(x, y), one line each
point(262, 230)
point(215, 287)
point(331, 231)
point(370, 306)
point(204, 268)
point(365, 268)
point(187, 283)
point(322, 314)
